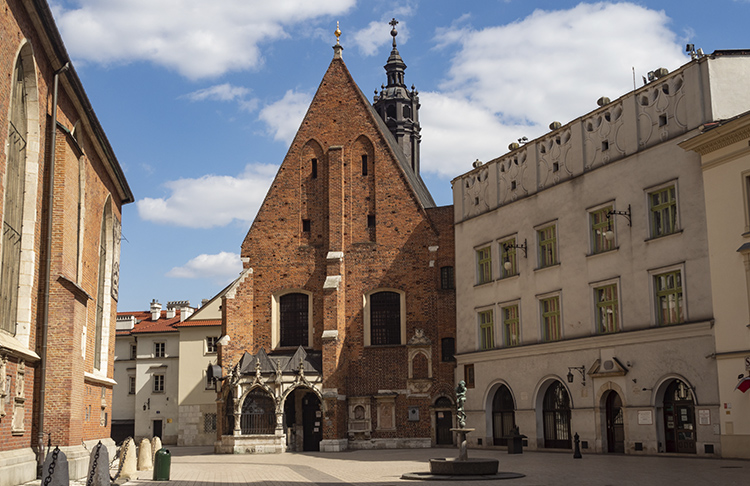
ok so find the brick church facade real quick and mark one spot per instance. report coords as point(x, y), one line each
point(61, 194)
point(339, 332)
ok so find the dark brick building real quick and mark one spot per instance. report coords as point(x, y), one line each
point(61, 194)
point(341, 327)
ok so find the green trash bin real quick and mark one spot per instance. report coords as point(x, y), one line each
point(162, 463)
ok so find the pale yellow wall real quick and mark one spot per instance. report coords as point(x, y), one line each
point(193, 365)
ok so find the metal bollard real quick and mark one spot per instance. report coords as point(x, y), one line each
point(577, 452)
point(162, 464)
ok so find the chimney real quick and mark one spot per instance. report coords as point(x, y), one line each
point(170, 310)
point(125, 323)
point(155, 310)
point(185, 312)
point(204, 302)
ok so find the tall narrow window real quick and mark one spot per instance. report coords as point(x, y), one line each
point(606, 309)
point(600, 224)
point(158, 383)
point(385, 318)
point(314, 168)
point(547, 246)
point(371, 221)
point(469, 375)
point(669, 306)
point(448, 349)
point(511, 326)
point(293, 319)
point(551, 325)
point(13, 203)
point(364, 165)
point(100, 295)
point(446, 278)
point(663, 206)
point(486, 330)
point(484, 265)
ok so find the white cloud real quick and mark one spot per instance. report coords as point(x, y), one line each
point(513, 80)
point(195, 38)
point(377, 34)
point(210, 201)
point(225, 92)
point(284, 117)
point(222, 266)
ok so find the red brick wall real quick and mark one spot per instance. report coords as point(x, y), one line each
point(337, 131)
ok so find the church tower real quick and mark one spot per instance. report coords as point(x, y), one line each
point(399, 107)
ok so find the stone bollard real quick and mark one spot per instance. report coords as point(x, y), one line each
point(55, 469)
point(128, 459)
point(98, 467)
point(577, 451)
point(155, 446)
point(144, 456)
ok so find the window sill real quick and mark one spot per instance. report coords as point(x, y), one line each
point(548, 266)
point(509, 277)
point(483, 283)
point(605, 252)
point(660, 237)
point(383, 346)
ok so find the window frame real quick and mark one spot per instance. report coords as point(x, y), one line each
point(210, 346)
point(598, 228)
point(597, 304)
point(447, 278)
point(366, 307)
point(469, 375)
point(159, 383)
point(133, 351)
point(160, 345)
point(131, 385)
point(511, 254)
point(507, 342)
point(655, 297)
point(486, 328)
point(483, 264)
point(542, 244)
point(543, 316)
point(676, 228)
point(276, 317)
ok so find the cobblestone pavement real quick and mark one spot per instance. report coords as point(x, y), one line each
point(191, 466)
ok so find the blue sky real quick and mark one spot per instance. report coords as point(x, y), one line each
point(200, 100)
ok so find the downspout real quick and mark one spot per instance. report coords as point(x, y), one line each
point(48, 269)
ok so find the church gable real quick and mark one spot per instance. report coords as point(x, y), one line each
point(340, 178)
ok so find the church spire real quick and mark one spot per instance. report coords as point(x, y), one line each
point(398, 106)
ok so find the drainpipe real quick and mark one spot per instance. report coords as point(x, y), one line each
point(48, 262)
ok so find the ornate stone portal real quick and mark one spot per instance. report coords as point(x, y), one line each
point(254, 396)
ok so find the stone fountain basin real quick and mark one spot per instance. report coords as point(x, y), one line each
point(466, 467)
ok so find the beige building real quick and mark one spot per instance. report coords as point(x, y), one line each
point(196, 394)
point(581, 262)
point(724, 147)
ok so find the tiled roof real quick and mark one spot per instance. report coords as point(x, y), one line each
point(144, 323)
point(205, 322)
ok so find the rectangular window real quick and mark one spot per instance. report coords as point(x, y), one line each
point(484, 265)
point(160, 350)
point(551, 324)
point(446, 278)
point(448, 348)
point(511, 326)
point(486, 330)
point(364, 165)
point(211, 344)
point(209, 422)
point(314, 171)
point(547, 246)
point(371, 221)
point(306, 225)
point(607, 320)
point(469, 375)
point(600, 225)
point(131, 385)
point(158, 383)
point(663, 206)
point(508, 258)
point(133, 351)
point(669, 306)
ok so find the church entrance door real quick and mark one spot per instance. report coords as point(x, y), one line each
point(615, 425)
point(312, 423)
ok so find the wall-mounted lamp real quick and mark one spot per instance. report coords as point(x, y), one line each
point(147, 405)
point(507, 265)
point(580, 369)
point(609, 234)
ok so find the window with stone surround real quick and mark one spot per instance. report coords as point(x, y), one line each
point(662, 203)
point(291, 315)
point(158, 383)
point(547, 245)
point(551, 318)
point(486, 330)
point(484, 265)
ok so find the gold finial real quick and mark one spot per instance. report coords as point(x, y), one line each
point(337, 33)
